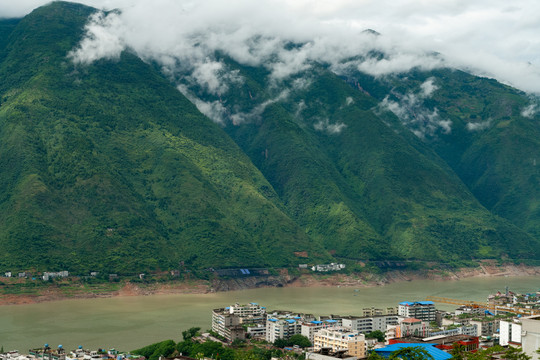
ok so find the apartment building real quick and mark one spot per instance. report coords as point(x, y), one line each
point(510, 332)
point(368, 324)
point(423, 310)
point(339, 339)
point(485, 327)
point(282, 328)
point(530, 335)
point(228, 322)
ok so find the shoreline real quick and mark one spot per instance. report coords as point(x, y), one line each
point(485, 269)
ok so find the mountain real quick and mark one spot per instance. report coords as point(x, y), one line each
point(359, 180)
point(494, 142)
point(108, 167)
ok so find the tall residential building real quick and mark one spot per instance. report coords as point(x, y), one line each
point(485, 327)
point(252, 310)
point(423, 310)
point(340, 338)
point(510, 332)
point(310, 328)
point(368, 324)
point(412, 327)
point(228, 321)
point(282, 328)
point(530, 338)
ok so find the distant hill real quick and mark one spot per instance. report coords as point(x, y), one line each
point(109, 167)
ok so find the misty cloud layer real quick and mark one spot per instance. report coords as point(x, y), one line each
point(493, 38)
point(410, 110)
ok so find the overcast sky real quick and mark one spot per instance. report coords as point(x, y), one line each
point(495, 38)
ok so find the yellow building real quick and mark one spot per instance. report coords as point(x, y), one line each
point(339, 339)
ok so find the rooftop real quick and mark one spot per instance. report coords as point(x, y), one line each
point(411, 320)
point(430, 348)
point(409, 303)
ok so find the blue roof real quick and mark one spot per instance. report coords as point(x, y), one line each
point(254, 304)
point(290, 321)
point(316, 322)
point(437, 354)
point(273, 320)
point(331, 321)
point(408, 303)
point(297, 317)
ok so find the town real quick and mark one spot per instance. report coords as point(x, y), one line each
point(506, 320)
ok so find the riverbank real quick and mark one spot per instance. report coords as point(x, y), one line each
point(78, 290)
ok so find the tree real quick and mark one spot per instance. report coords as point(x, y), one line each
point(458, 352)
point(191, 332)
point(411, 353)
point(377, 334)
point(299, 340)
point(513, 353)
point(374, 356)
point(280, 343)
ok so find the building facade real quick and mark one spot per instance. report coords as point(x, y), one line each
point(229, 322)
point(282, 328)
point(368, 324)
point(530, 335)
point(510, 333)
point(423, 310)
point(339, 339)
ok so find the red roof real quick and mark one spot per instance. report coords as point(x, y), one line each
point(411, 320)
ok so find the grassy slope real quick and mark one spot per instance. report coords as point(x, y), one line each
point(370, 191)
point(496, 163)
point(109, 166)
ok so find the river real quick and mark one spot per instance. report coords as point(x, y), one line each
point(127, 323)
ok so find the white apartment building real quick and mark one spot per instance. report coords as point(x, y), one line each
point(486, 327)
point(257, 331)
point(247, 310)
point(340, 338)
point(227, 321)
point(510, 332)
point(368, 324)
point(282, 328)
point(310, 328)
point(530, 335)
point(423, 310)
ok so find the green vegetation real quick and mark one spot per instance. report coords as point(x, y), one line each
point(377, 334)
point(154, 351)
point(108, 167)
point(511, 353)
point(297, 339)
point(493, 145)
point(358, 180)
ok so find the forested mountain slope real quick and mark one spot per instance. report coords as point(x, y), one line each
point(108, 166)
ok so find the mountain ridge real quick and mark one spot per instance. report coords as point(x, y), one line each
point(108, 166)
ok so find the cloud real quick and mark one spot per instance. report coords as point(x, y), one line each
point(493, 38)
point(410, 110)
point(99, 42)
point(479, 126)
point(326, 126)
point(530, 111)
point(428, 87)
point(214, 110)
